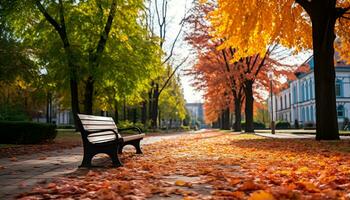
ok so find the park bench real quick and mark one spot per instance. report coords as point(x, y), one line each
point(101, 135)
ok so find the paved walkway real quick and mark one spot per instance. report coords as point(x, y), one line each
point(20, 174)
point(291, 135)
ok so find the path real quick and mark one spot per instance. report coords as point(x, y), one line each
point(286, 135)
point(20, 174)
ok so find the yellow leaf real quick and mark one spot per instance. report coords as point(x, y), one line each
point(261, 195)
point(180, 183)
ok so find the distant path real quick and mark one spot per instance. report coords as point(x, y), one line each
point(283, 134)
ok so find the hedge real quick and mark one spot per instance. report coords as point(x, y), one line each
point(283, 125)
point(257, 125)
point(26, 132)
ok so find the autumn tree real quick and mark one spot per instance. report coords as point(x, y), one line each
point(238, 77)
point(250, 26)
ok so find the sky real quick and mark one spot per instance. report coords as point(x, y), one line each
point(176, 9)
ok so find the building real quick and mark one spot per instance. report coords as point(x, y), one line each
point(195, 110)
point(296, 103)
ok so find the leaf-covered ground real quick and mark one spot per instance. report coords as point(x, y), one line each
point(216, 165)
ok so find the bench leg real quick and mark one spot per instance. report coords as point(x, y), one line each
point(120, 149)
point(86, 160)
point(115, 159)
point(137, 146)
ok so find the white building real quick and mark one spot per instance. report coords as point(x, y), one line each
point(297, 101)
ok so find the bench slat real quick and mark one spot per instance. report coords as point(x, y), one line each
point(133, 137)
point(99, 127)
point(96, 118)
point(92, 122)
point(102, 138)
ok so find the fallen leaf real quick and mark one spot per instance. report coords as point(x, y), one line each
point(261, 195)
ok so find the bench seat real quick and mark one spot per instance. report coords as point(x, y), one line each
point(101, 135)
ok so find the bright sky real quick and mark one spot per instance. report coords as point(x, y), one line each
point(182, 49)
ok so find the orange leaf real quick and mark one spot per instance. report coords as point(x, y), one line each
point(261, 195)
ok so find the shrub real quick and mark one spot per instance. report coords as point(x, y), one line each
point(12, 113)
point(257, 125)
point(26, 132)
point(283, 125)
point(125, 124)
point(309, 125)
point(185, 128)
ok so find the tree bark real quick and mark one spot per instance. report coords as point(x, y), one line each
point(88, 95)
point(134, 115)
point(323, 17)
point(155, 100)
point(144, 113)
point(225, 119)
point(238, 117)
point(249, 101)
point(124, 110)
point(116, 113)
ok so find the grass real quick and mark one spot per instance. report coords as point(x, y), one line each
point(67, 135)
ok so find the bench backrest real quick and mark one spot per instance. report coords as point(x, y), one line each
point(95, 123)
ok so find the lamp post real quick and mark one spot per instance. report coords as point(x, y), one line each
point(270, 75)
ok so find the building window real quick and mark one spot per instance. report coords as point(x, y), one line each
point(340, 111)
point(307, 114)
point(339, 88)
point(312, 113)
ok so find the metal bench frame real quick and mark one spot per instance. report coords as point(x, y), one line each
point(111, 147)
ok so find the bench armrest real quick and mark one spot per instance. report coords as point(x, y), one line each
point(104, 130)
point(131, 128)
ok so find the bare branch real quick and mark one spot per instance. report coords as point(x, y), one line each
point(172, 74)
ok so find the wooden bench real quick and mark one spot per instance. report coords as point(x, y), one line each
point(101, 135)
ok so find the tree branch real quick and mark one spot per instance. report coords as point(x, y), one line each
point(47, 16)
point(340, 12)
point(306, 4)
point(104, 35)
point(172, 74)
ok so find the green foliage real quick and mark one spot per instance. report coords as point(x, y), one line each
point(26, 132)
point(172, 101)
point(257, 125)
point(282, 125)
point(125, 124)
point(12, 113)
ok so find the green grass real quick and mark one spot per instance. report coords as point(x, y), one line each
point(65, 135)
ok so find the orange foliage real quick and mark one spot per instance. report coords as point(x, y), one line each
point(221, 79)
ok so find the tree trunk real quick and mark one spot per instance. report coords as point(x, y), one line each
point(150, 103)
point(155, 106)
point(48, 108)
point(144, 113)
point(116, 113)
point(323, 23)
point(124, 110)
point(226, 119)
point(249, 100)
point(238, 118)
point(170, 123)
point(159, 119)
point(88, 96)
point(134, 115)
